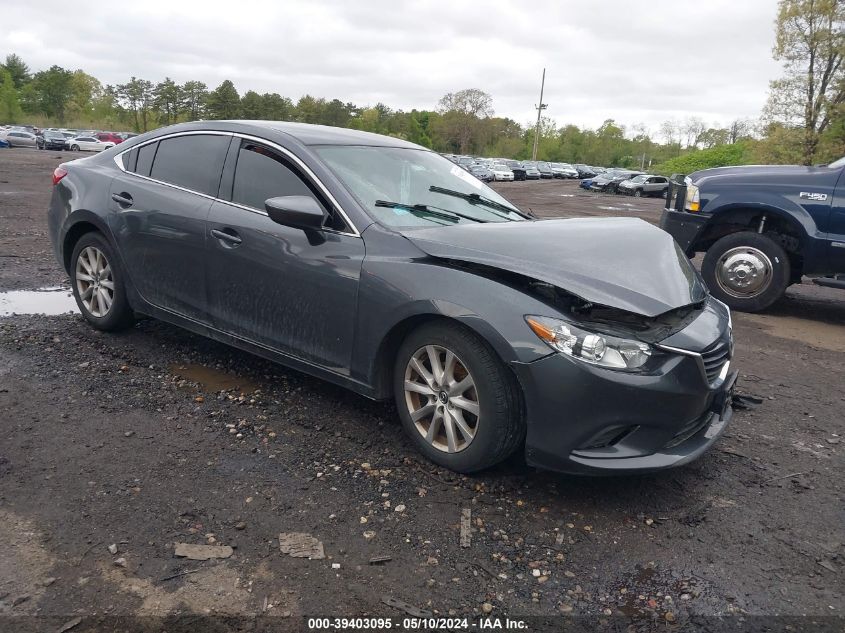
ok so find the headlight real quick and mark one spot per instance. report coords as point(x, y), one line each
point(693, 200)
point(590, 347)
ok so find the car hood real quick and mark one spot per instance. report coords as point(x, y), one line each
point(623, 263)
point(760, 173)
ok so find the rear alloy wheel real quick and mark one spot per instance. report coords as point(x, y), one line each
point(458, 402)
point(748, 271)
point(97, 284)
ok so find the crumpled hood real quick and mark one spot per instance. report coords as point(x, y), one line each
point(623, 263)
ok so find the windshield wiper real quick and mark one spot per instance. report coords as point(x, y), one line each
point(424, 209)
point(474, 198)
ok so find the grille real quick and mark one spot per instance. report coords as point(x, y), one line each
point(715, 358)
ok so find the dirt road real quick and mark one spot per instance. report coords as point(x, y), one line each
point(156, 436)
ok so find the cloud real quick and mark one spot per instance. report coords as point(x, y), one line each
point(635, 63)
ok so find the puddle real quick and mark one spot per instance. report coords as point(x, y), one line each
point(211, 379)
point(47, 301)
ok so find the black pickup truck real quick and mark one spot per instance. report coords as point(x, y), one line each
point(761, 228)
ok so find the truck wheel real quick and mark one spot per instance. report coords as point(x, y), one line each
point(748, 271)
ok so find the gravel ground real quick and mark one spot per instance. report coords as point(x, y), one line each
point(156, 436)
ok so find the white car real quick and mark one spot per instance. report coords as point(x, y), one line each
point(87, 144)
point(501, 172)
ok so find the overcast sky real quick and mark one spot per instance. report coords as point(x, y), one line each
point(636, 62)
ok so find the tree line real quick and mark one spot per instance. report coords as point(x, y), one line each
point(803, 121)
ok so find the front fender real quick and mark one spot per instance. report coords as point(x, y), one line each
point(431, 289)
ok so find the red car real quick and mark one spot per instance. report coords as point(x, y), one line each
point(108, 137)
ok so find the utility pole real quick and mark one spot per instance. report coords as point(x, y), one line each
point(540, 109)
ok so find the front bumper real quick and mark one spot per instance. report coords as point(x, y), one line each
point(653, 421)
point(684, 227)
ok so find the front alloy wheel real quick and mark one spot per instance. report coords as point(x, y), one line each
point(441, 398)
point(458, 402)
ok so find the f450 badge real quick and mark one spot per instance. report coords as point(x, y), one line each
point(811, 195)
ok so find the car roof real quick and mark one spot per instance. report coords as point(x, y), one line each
point(309, 134)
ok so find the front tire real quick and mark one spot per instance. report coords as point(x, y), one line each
point(98, 284)
point(748, 271)
point(74, 148)
point(638, 193)
point(458, 403)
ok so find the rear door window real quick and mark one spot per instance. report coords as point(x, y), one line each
point(194, 161)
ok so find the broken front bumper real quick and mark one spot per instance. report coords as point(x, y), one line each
point(587, 419)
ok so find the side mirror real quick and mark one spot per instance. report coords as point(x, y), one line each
point(299, 212)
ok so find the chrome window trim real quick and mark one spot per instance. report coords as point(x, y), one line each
point(118, 160)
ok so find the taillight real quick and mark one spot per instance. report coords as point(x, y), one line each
point(58, 174)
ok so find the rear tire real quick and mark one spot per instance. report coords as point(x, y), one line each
point(99, 285)
point(748, 271)
point(477, 381)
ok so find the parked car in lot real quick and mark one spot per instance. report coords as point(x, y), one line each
point(4, 144)
point(644, 185)
point(609, 181)
point(19, 138)
point(109, 137)
point(584, 171)
point(405, 278)
point(523, 171)
point(501, 172)
point(544, 168)
point(563, 170)
point(481, 172)
point(87, 144)
point(587, 183)
point(51, 140)
point(762, 228)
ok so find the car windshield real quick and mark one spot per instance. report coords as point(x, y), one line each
point(639, 179)
point(837, 163)
point(407, 177)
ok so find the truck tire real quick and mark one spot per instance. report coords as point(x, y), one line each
point(748, 271)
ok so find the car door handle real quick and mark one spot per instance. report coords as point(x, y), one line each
point(123, 199)
point(227, 235)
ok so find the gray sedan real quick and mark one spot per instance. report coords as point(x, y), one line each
point(19, 138)
point(378, 265)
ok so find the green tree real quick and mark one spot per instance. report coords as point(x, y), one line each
point(277, 107)
point(19, 71)
point(10, 108)
point(167, 100)
point(810, 42)
point(53, 89)
point(137, 96)
point(224, 102)
point(460, 123)
point(194, 99)
point(252, 105)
